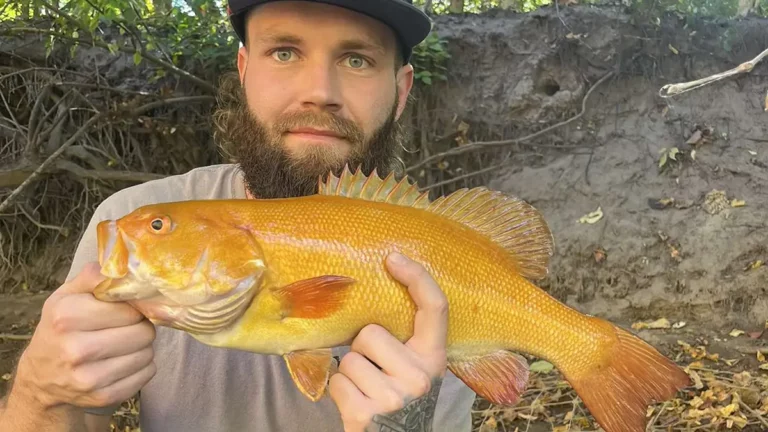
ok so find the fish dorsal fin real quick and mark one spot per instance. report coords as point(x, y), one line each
point(508, 221)
point(374, 188)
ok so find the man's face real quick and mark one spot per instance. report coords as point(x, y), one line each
point(320, 88)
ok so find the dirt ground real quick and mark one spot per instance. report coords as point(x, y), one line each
point(684, 243)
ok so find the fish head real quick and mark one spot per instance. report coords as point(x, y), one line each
point(181, 265)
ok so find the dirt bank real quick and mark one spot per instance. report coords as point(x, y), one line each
point(514, 74)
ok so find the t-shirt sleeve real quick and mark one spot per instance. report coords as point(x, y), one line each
point(454, 406)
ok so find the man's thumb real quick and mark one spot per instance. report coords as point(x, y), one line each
point(86, 280)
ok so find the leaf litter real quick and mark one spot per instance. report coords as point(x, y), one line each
point(726, 394)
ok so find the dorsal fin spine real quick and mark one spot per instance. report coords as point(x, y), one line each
point(505, 220)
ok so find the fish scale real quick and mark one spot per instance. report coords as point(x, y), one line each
point(318, 273)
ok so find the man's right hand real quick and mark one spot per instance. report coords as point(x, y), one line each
point(84, 352)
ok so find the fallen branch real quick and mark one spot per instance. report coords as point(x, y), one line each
point(15, 337)
point(39, 171)
point(482, 145)
point(679, 88)
point(463, 177)
point(189, 99)
point(16, 177)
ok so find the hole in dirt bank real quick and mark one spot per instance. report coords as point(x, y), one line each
point(549, 86)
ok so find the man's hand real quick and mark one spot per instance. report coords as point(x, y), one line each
point(84, 352)
point(402, 395)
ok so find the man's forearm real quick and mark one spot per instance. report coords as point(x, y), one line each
point(18, 416)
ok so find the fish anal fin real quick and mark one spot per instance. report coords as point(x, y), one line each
point(507, 221)
point(630, 376)
point(499, 377)
point(315, 297)
point(310, 371)
point(372, 187)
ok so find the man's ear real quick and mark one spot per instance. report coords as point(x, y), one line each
point(404, 85)
point(242, 62)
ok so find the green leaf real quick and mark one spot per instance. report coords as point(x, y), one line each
point(136, 58)
point(542, 366)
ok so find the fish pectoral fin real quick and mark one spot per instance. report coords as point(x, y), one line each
point(310, 371)
point(316, 297)
point(500, 377)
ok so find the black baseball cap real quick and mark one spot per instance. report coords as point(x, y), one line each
point(409, 23)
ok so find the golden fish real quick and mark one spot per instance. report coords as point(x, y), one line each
point(297, 276)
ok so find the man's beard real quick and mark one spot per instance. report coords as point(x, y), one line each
point(270, 171)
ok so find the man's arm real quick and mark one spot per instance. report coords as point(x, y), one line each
point(83, 354)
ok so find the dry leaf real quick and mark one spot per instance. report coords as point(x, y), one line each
point(592, 217)
point(738, 203)
point(661, 323)
point(6, 377)
point(678, 325)
point(756, 264)
point(600, 255)
point(763, 366)
point(541, 366)
point(736, 333)
point(673, 49)
point(766, 100)
point(695, 138)
point(660, 204)
point(760, 356)
point(752, 152)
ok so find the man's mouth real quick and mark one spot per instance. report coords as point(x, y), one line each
point(315, 134)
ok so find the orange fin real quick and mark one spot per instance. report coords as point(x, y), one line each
point(373, 188)
point(631, 376)
point(499, 377)
point(506, 220)
point(310, 371)
point(316, 297)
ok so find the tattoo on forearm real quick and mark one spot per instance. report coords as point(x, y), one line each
point(417, 416)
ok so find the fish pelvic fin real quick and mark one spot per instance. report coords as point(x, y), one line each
point(508, 221)
point(630, 376)
point(316, 297)
point(500, 377)
point(310, 371)
point(373, 188)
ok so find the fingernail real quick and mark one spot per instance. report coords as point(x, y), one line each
point(397, 258)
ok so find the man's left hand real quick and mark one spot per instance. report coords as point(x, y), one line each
point(402, 395)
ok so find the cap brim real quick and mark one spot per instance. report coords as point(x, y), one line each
point(410, 23)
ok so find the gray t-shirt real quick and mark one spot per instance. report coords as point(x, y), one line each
point(206, 389)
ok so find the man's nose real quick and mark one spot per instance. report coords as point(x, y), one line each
point(321, 86)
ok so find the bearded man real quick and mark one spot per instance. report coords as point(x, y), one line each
point(321, 84)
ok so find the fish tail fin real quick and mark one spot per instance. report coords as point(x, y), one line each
point(630, 376)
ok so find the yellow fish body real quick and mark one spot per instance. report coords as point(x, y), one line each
point(297, 276)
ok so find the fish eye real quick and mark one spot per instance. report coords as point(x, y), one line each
point(157, 224)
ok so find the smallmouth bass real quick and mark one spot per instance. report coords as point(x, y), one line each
point(297, 276)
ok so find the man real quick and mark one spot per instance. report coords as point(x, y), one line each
point(321, 84)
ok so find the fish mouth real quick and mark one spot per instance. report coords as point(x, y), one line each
point(117, 260)
point(113, 250)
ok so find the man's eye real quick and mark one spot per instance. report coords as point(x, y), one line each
point(282, 54)
point(356, 61)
